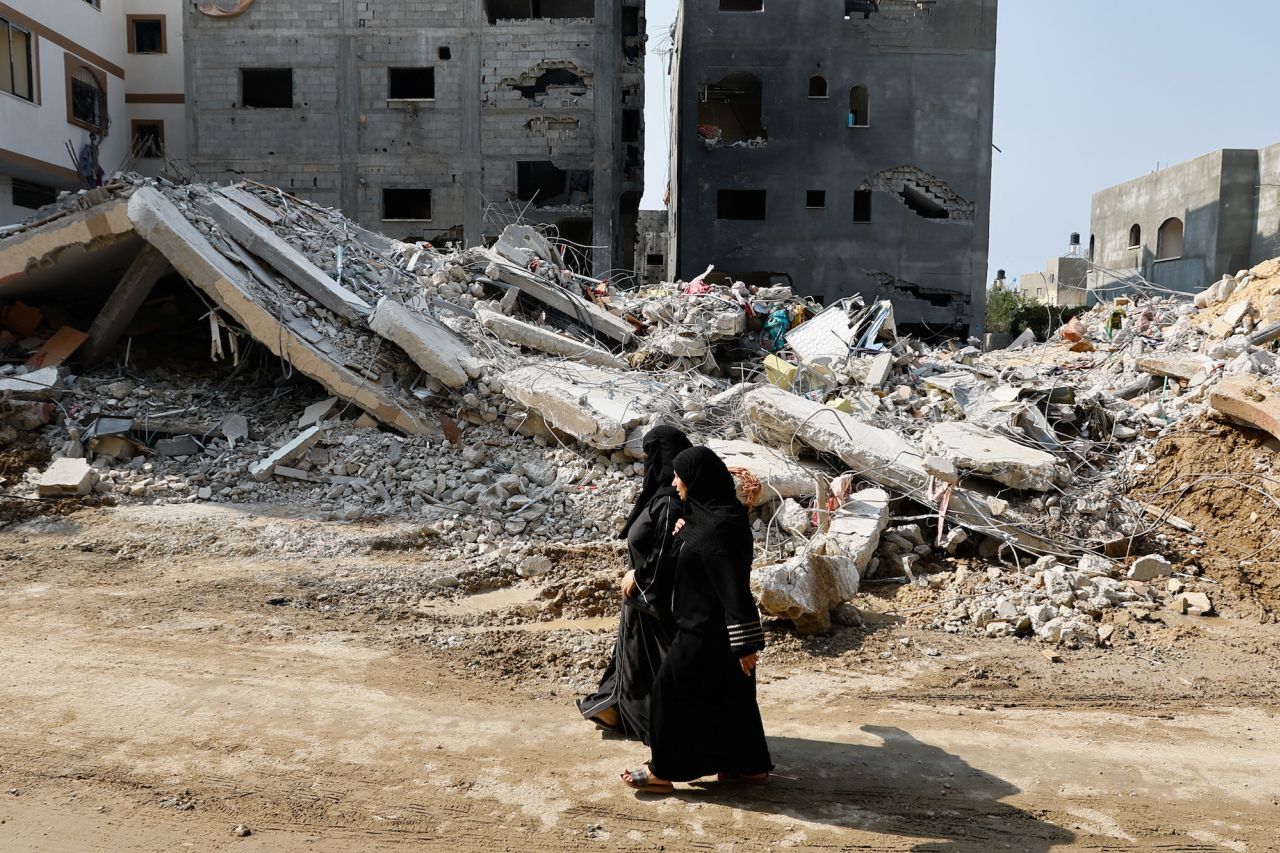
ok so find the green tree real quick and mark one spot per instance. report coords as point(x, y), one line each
point(1004, 304)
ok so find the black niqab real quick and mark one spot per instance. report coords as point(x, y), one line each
point(714, 517)
point(662, 445)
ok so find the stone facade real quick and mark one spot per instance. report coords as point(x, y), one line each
point(839, 147)
point(487, 88)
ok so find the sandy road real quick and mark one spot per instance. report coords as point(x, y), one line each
point(135, 720)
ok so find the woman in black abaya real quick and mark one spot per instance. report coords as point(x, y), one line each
point(645, 629)
point(703, 714)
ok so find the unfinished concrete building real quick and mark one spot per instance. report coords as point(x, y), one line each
point(437, 121)
point(1188, 225)
point(651, 246)
point(841, 146)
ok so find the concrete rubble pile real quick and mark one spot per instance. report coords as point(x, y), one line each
point(499, 396)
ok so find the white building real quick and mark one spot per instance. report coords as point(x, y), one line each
point(87, 87)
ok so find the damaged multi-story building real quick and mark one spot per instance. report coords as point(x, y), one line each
point(438, 121)
point(840, 146)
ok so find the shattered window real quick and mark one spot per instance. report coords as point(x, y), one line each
point(148, 139)
point(741, 5)
point(862, 206)
point(406, 204)
point(732, 110)
point(859, 107)
point(740, 204)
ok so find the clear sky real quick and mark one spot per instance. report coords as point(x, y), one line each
point(1089, 93)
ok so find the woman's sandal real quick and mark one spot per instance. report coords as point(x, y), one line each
point(743, 778)
point(642, 780)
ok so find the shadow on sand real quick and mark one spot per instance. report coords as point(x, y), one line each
point(902, 787)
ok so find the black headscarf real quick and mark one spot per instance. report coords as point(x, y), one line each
point(715, 520)
point(662, 445)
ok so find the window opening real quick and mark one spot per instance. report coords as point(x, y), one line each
point(859, 107)
point(517, 10)
point(1093, 244)
point(1135, 237)
point(1169, 240)
point(865, 8)
point(547, 185)
point(814, 199)
point(862, 206)
point(148, 139)
point(146, 35)
point(445, 54)
point(655, 260)
point(15, 61)
point(630, 125)
point(266, 88)
point(817, 86)
point(741, 5)
point(32, 196)
point(406, 204)
point(740, 204)
point(88, 100)
point(411, 84)
point(732, 110)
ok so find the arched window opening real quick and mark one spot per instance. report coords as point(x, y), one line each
point(88, 99)
point(1135, 237)
point(1169, 240)
point(859, 107)
point(817, 86)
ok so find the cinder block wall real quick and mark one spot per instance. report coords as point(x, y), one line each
point(342, 142)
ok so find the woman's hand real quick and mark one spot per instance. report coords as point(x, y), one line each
point(629, 585)
point(748, 663)
point(679, 526)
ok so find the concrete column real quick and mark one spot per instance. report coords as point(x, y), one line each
point(608, 96)
point(123, 304)
point(472, 176)
point(348, 118)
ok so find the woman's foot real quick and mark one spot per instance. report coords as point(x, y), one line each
point(743, 778)
point(641, 779)
point(608, 719)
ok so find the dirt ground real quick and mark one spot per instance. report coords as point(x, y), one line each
point(171, 672)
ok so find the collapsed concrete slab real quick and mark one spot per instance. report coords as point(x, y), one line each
point(779, 476)
point(1249, 401)
point(530, 336)
point(428, 344)
point(808, 587)
point(42, 384)
point(161, 223)
point(594, 405)
point(283, 455)
point(77, 233)
point(288, 261)
point(879, 456)
point(563, 300)
point(974, 450)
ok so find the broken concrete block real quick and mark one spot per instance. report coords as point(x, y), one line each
point(1150, 567)
point(575, 307)
point(67, 477)
point(974, 450)
point(1249, 401)
point(594, 405)
point(183, 445)
point(881, 368)
point(234, 428)
point(1232, 317)
point(317, 412)
point(429, 344)
point(943, 469)
point(42, 384)
point(1175, 365)
point(778, 475)
point(534, 566)
point(1193, 604)
point(545, 340)
point(807, 588)
point(262, 470)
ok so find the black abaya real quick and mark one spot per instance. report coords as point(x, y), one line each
point(704, 716)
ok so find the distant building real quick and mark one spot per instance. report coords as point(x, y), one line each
point(1186, 226)
point(651, 247)
point(87, 87)
point(1064, 282)
point(438, 121)
point(841, 147)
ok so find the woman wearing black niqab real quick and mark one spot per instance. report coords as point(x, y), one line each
point(703, 714)
point(645, 629)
